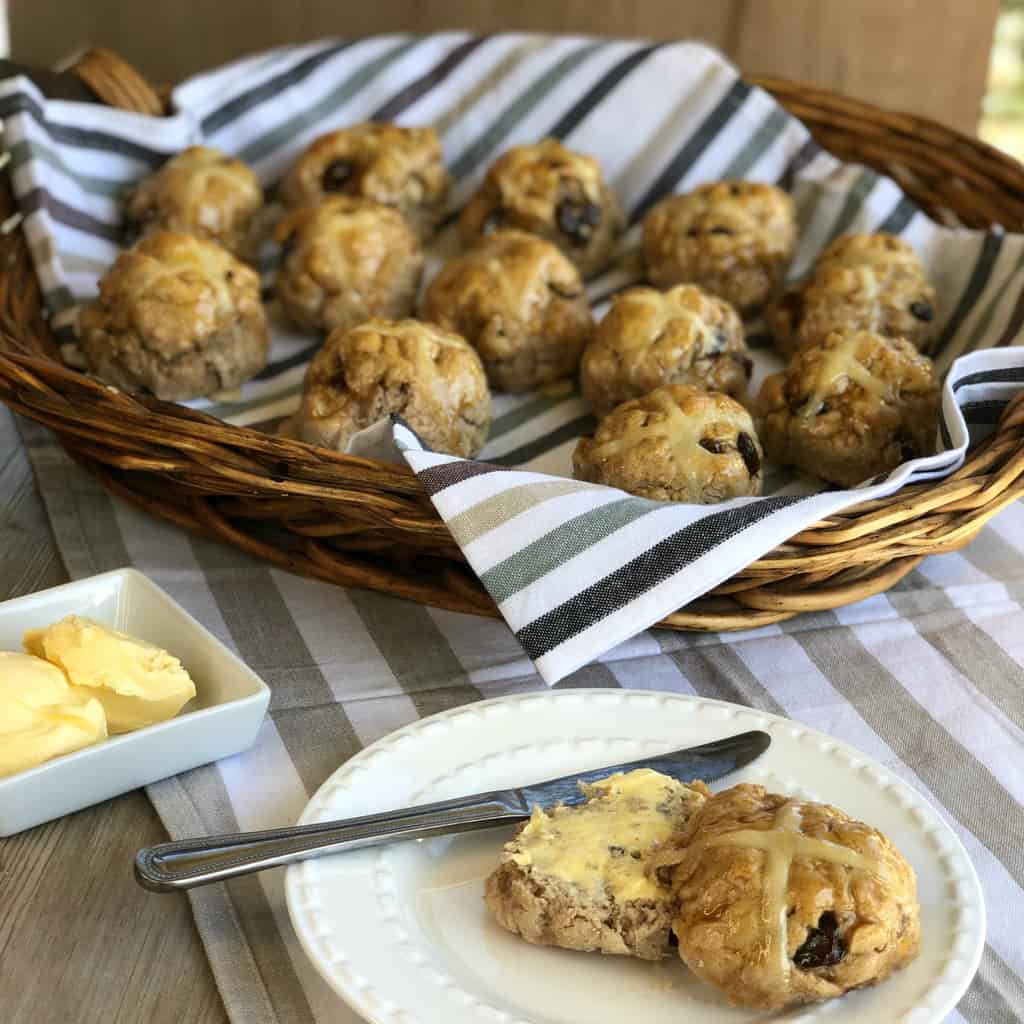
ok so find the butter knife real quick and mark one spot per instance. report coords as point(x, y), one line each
point(188, 863)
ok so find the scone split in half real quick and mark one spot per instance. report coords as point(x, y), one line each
point(581, 877)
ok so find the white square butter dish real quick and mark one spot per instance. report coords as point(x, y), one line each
point(222, 719)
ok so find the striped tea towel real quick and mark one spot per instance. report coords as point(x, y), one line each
point(576, 568)
point(661, 118)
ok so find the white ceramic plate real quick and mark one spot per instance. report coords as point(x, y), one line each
point(402, 932)
point(222, 719)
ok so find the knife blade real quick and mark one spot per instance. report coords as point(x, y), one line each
point(187, 863)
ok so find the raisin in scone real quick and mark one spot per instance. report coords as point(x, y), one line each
point(520, 303)
point(431, 378)
point(733, 238)
point(851, 407)
point(784, 901)
point(580, 877)
point(346, 260)
point(386, 163)
point(650, 338)
point(552, 192)
point(178, 316)
point(860, 282)
point(676, 444)
point(200, 191)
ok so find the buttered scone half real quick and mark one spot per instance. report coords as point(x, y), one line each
point(581, 877)
point(784, 901)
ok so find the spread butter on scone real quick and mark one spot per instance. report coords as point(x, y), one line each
point(580, 876)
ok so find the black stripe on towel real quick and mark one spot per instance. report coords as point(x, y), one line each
point(694, 146)
point(571, 119)
point(642, 574)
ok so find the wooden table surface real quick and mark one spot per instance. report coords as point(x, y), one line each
point(80, 942)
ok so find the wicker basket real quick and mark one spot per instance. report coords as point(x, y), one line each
point(367, 524)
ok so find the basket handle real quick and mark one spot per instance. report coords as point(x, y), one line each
point(117, 83)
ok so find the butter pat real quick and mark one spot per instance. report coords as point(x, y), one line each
point(41, 716)
point(137, 683)
point(604, 845)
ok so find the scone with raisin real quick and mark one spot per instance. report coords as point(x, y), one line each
point(650, 338)
point(346, 260)
point(852, 407)
point(552, 192)
point(178, 316)
point(860, 282)
point(431, 378)
point(579, 876)
point(784, 901)
point(676, 444)
point(385, 163)
point(733, 238)
point(200, 191)
point(520, 303)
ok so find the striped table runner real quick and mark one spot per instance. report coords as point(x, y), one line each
point(928, 679)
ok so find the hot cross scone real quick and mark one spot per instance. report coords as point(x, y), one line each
point(733, 238)
point(860, 282)
point(386, 163)
point(783, 901)
point(346, 260)
point(178, 316)
point(520, 303)
point(650, 338)
point(201, 191)
point(553, 192)
point(676, 444)
point(431, 378)
point(851, 407)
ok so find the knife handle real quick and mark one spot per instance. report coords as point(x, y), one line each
point(188, 863)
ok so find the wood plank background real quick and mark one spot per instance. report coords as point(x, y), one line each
point(926, 56)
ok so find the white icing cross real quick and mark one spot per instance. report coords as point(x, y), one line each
point(666, 309)
point(781, 844)
point(840, 362)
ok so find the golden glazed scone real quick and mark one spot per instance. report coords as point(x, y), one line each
point(431, 378)
point(733, 238)
point(650, 338)
point(851, 407)
point(388, 164)
point(200, 191)
point(783, 902)
point(178, 316)
point(520, 303)
point(676, 444)
point(860, 282)
point(579, 877)
point(552, 192)
point(346, 260)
